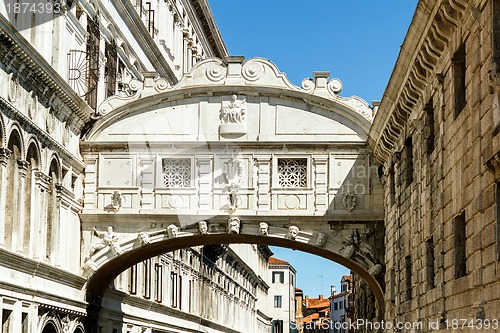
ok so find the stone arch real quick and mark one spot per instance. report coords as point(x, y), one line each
point(16, 140)
point(33, 152)
point(14, 186)
point(54, 167)
point(3, 132)
point(51, 326)
point(52, 221)
point(112, 260)
point(79, 329)
point(31, 224)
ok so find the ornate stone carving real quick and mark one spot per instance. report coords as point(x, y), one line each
point(321, 240)
point(233, 225)
point(144, 238)
point(215, 72)
point(293, 232)
point(5, 154)
point(117, 200)
point(252, 71)
point(263, 229)
point(33, 105)
point(14, 88)
point(109, 238)
point(203, 227)
point(356, 243)
point(172, 231)
point(349, 201)
point(233, 173)
point(233, 117)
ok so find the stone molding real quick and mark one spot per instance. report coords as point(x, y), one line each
point(430, 34)
point(43, 137)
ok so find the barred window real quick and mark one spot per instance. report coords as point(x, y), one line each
point(177, 172)
point(292, 172)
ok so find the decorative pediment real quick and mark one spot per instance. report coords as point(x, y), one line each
point(237, 72)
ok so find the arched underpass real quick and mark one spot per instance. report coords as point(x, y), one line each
point(111, 264)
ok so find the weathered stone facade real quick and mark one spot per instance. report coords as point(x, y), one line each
point(436, 134)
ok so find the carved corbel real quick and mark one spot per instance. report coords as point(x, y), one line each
point(23, 167)
point(5, 155)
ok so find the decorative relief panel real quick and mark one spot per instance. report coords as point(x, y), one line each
point(176, 172)
point(117, 171)
point(292, 172)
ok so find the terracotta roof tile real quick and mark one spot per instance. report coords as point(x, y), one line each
point(273, 260)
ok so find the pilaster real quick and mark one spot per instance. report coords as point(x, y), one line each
point(263, 164)
point(20, 218)
point(320, 184)
point(205, 182)
point(5, 154)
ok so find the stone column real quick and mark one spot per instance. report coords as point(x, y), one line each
point(5, 154)
point(19, 215)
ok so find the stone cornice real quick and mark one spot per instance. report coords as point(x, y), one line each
point(165, 310)
point(39, 269)
point(428, 36)
point(19, 55)
point(45, 138)
point(210, 28)
point(143, 37)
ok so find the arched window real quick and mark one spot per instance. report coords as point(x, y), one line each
point(12, 189)
point(30, 200)
point(49, 328)
point(52, 211)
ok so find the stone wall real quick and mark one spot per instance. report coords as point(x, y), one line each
point(440, 189)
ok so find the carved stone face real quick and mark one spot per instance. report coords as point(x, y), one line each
point(321, 241)
point(263, 229)
point(203, 227)
point(172, 231)
point(293, 232)
point(233, 225)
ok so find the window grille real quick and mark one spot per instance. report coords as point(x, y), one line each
point(292, 172)
point(177, 172)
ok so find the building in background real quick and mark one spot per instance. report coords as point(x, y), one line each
point(316, 314)
point(340, 306)
point(282, 292)
point(299, 304)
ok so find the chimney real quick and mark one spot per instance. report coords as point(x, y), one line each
point(307, 301)
point(320, 297)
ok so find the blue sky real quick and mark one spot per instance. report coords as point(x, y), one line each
point(357, 41)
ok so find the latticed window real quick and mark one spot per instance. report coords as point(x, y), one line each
point(292, 172)
point(177, 172)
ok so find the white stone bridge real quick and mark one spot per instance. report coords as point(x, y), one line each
point(235, 146)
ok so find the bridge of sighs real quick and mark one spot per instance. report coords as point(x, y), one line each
point(234, 153)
